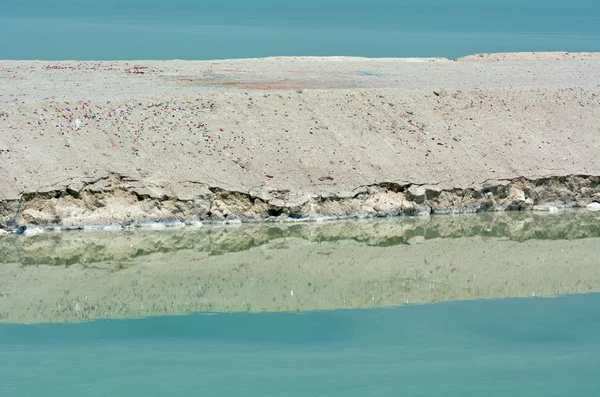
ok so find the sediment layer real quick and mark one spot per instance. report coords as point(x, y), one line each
point(101, 143)
point(115, 200)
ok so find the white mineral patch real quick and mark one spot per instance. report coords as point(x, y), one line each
point(32, 231)
point(112, 228)
point(593, 207)
point(153, 225)
point(545, 208)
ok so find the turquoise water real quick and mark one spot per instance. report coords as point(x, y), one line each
point(187, 29)
point(258, 311)
point(514, 347)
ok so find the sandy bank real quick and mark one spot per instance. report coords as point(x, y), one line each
point(278, 138)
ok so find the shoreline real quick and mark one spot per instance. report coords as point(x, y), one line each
point(118, 143)
point(236, 222)
point(401, 202)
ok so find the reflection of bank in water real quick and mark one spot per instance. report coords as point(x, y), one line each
point(72, 276)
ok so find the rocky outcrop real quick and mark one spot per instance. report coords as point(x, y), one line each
point(117, 200)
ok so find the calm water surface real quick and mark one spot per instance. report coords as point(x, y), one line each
point(277, 342)
point(201, 29)
point(517, 347)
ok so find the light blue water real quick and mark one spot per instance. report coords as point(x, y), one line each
point(202, 29)
point(515, 347)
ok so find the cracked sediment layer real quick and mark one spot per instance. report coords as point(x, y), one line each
point(107, 143)
point(115, 200)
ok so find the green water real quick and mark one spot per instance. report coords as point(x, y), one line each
point(516, 347)
point(95, 246)
point(307, 309)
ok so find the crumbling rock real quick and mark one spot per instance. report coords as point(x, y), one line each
point(118, 200)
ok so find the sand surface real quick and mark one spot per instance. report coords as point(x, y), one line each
point(75, 276)
point(284, 129)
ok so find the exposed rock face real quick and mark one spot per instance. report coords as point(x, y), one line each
point(117, 200)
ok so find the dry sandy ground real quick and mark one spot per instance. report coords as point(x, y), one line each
point(284, 130)
point(75, 276)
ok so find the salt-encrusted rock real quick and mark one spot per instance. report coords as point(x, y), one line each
point(593, 207)
point(32, 231)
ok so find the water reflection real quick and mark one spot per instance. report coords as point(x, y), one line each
point(73, 276)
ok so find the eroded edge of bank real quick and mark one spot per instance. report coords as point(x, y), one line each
point(115, 200)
